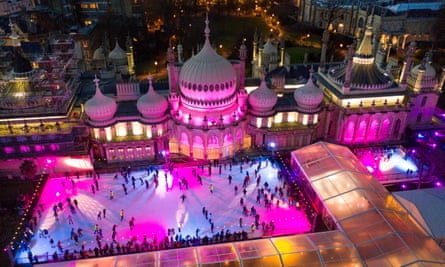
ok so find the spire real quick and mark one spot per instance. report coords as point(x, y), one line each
point(207, 30)
point(150, 84)
point(96, 81)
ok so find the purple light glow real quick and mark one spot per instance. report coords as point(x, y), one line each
point(438, 184)
point(404, 186)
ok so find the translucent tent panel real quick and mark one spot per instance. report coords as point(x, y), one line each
point(311, 153)
point(266, 261)
point(390, 247)
point(138, 260)
point(289, 244)
point(302, 259)
point(99, 262)
point(425, 248)
point(338, 150)
point(178, 257)
point(332, 239)
point(366, 180)
point(297, 251)
point(348, 204)
point(321, 168)
point(334, 185)
point(218, 253)
point(346, 256)
point(258, 253)
point(146, 259)
point(403, 222)
point(360, 232)
point(350, 163)
point(255, 249)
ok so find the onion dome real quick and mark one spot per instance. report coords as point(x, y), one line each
point(100, 107)
point(309, 96)
point(269, 48)
point(99, 54)
point(117, 53)
point(262, 99)
point(152, 105)
point(429, 70)
point(207, 80)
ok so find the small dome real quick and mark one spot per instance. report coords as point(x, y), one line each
point(309, 96)
point(262, 99)
point(117, 53)
point(100, 107)
point(152, 105)
point(99, 54)
point(429, 70)
point(269, 48)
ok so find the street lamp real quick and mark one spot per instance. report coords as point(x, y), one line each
point(156, 65)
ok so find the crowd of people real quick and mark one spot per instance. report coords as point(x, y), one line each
point(287, 190)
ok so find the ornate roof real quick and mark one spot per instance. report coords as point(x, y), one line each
point(152, 105)
point(100, 108)
point(262, 99)
point(309, 96)
point(207, 80)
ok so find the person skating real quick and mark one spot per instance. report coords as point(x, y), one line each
point(121, 213)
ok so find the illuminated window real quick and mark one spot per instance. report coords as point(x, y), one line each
point(121, 129)
point(258, 122)
point(108, 134)
point(269, 122)
point(291, 117)
point(93, 5)
point(96, 133)
point(136, 128)
point(278, 118)
point(305, 119)
point(148, 131)
point(84, 6)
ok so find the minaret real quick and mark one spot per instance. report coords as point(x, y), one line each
point(407, 64)
point(441, 80)
point(180, 53)
point(255, 46)
point(242, 72)
point(171, 69)
point(324, 47)
point(350, 55)
point(281, 53)
point(130, 55)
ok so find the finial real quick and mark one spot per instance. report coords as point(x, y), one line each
point(311, 71)
point(150, 83)
point(96, 81)
point(207, 29)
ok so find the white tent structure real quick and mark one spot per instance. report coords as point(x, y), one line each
point(427, 206)
point(370, 227)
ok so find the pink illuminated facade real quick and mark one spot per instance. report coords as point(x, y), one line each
point(369, 106)
point(206, 112)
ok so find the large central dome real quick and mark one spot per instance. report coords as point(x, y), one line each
point(207, 80)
